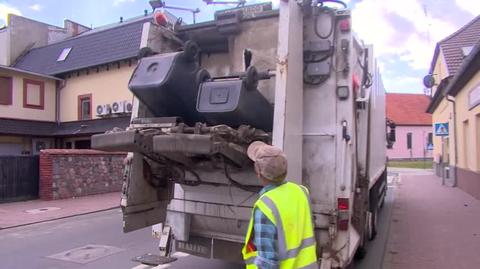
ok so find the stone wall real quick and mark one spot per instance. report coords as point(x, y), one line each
point(67, 173)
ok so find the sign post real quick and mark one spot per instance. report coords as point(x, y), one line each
point(441, 129)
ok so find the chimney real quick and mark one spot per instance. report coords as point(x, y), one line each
point(74, 28)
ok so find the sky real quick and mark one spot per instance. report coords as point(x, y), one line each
point(403, 32)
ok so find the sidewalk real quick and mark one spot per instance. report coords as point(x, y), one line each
point(22, 213)
point(433, 226)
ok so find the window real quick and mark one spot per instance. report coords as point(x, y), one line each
point(82, 144)
point(466, 51)
point(64, 54)
point(33, 94)
point(430, 139)
point(5, 90)
point(409, 140)
point(68, 145)
point(85, 107)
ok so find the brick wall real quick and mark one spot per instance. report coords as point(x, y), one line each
point(67, 173)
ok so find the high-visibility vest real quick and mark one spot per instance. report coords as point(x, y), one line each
point(288, 208)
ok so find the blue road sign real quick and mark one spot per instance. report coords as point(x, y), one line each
point(441, 129)
point(430, 147)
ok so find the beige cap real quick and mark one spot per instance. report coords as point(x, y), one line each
point(270, 160)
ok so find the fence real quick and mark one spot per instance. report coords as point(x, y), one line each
point(19, 178)
point(67, 173)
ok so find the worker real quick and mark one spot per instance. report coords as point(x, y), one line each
point(280, 232)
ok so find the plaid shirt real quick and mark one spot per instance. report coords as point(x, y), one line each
point(265, 238)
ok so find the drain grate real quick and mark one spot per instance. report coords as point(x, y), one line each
point(86, 254)
point(41, 210)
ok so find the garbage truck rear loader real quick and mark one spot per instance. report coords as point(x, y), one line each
point(296, 77)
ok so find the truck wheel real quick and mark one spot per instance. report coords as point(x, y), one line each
point(372, 233)
point(385, 179)
point(382, 202)
point(362, 248)
point(361, 252)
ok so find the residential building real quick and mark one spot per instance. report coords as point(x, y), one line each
point(447, 59)
point(23, 34)
point(465, 89)
point(414, 126)
point(26, 97)
point(59, 86)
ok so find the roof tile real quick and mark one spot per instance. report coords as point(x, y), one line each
point(91, 48)
point(452, 45)
point(408, 109)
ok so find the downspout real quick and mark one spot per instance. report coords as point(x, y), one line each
point(59, 86)
point(450, 99)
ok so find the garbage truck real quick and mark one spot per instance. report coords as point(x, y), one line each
point(296, 77)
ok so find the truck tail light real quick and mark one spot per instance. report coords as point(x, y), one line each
point(355, 83)
point(343, 213)
point(344, 25)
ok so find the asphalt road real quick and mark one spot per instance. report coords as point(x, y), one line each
point(97, 235)
point(96, 241)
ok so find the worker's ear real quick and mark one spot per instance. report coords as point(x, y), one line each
point(257, 169)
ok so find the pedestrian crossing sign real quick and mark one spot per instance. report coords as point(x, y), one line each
point(441, 129)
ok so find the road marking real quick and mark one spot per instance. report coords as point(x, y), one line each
point(180, 254)
point(144, 266)
point(162, 266)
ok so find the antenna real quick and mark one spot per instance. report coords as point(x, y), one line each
point(429, 23)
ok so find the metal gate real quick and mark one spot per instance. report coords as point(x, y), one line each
point(19, 178)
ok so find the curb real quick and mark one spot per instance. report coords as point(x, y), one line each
point(59, 218)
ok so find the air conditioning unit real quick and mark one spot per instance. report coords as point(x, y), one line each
point(118, 107)
point(104, 110)
point(128, 106)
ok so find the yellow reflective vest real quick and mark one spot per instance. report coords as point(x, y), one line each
point(288, 208)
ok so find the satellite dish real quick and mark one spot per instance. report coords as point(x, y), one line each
point(428, 81)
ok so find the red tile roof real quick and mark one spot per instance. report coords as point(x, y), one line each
point(408, 109)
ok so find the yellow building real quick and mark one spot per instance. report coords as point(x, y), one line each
point(454, 161)
point(465, 88)
point(61, 93)
point(27, 106)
